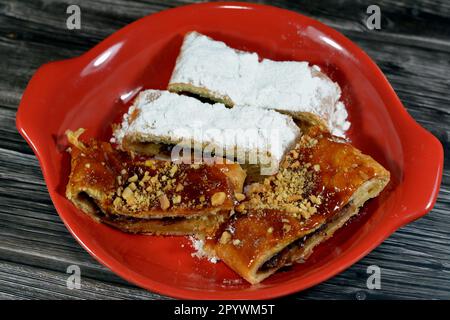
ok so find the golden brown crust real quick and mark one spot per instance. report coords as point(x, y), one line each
point(205, 93)
point(321, 184)
point(198, 225)
point(303, 118)
point(118, 185)
point(255, 237)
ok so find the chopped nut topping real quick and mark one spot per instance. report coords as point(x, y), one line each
point(133, 178)
point(257, 188)
point(295, 165)
point(87, 165)
point(293, 188)
point(132, 186)
point(218, 199)
point(315, 200)
point(173, 170)
point(240, 208)
point(239, 196)
point(149, 163)
point(294, 197)
point(154, 180)
point(225, 237)
point(128, 195)
point(305, 214)
point(292, 209)
point(270, 230)
point(176, 199)
point(117, 202)
point(164, 202)
point(151, 184)
point(236, 242)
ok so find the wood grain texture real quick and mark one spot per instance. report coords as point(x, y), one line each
point(412, 49)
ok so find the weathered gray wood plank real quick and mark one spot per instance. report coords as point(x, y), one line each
point(37, 283)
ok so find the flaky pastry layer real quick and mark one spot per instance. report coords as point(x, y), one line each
point(321, 184)
point(132, 193)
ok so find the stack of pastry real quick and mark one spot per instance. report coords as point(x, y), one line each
point(180, 166)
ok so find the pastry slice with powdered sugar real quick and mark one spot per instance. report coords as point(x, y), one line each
point(163, 121)
point(213, 70)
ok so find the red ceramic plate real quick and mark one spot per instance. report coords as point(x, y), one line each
point(93, 90)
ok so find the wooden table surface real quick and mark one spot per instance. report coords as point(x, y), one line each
point(412, 48)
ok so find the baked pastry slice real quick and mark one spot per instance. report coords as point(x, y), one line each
point(321, 184)
point(143, 195)
point(161, 120)
point(210, 69)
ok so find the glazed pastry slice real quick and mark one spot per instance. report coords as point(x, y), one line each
point(144, 195)
point(321, 184)
point(210, 69)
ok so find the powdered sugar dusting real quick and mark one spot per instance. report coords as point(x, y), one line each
point(174, 118)
point(288, 86)
point(198, 245)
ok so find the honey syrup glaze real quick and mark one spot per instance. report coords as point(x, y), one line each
point(331, 171)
